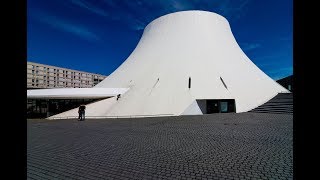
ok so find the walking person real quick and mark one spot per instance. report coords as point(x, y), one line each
point(81, 111)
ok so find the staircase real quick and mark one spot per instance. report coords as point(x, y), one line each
point(282, 103)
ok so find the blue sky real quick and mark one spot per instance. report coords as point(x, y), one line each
point(98, 35)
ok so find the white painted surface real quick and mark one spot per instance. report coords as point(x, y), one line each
point(74, 93)
point(193, 109)
point(196, 44)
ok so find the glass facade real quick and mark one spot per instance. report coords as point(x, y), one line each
point(223, 107)
point(42, 108)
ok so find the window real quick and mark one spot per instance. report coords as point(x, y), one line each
point(223, 107)
point(289, 87)
point(224, 84)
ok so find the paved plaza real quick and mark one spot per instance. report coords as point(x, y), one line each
point(217, 146)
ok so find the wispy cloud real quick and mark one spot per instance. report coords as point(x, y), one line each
point(87, 6)
point(271, 63)
point(280, 72)
point(178, 5)
point(241, 10)
point(111, 3)
point(249, 46)
point(266, 64)
point(271, 58)
point(138, 25)
point(283, 69)
point(232, 10)
point(62, 25)
point(132, 13)
point(266, 57)
point(135, 13)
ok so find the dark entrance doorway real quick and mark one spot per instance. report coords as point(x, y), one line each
point(210, 106)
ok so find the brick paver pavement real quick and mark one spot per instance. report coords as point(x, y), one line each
point(217, 146)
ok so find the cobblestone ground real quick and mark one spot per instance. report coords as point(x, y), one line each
point(218, 146)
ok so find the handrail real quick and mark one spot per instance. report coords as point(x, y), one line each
point(124, 116)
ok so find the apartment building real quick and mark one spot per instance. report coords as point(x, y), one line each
point(46, 76)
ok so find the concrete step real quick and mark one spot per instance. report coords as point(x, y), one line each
point(280, 104)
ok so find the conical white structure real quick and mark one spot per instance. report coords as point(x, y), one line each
point(173, 48)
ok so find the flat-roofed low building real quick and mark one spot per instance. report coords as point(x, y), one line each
point(46, 76)
point(42, 76)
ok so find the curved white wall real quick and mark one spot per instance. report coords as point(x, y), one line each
point(196, 44)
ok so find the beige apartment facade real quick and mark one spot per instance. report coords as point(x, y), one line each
point(46, 76)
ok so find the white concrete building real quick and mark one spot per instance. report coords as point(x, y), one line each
point(186, 62)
